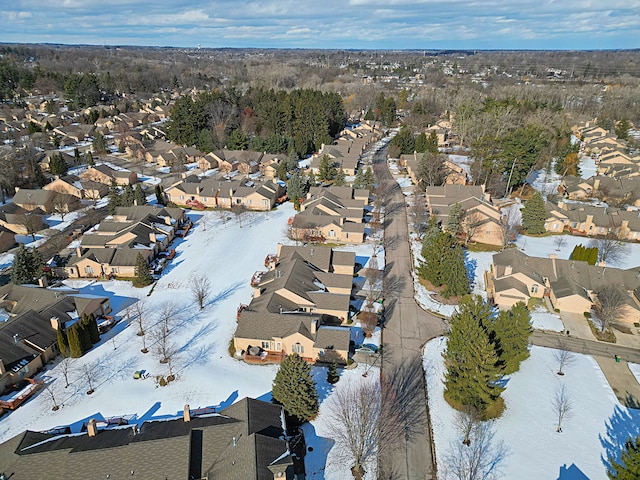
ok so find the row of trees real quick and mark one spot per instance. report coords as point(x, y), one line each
point(405, 143)
point(298, 121)
point(481, 347)
point(78, 339)
point(125, 197)
point(587, 254)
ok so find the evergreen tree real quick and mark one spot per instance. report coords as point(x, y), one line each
point(358, 181)
point(21, 269)
point(114, 198)
point(472, 370)
point(295, 390)
point(89, 321)
point(128, 196)
point(160, 195)
point(311, 179)
point(454, 221)
point(628, 468)
point(340, 178)
point(99, 144)
point(73, 339)
point(57, 165)
point(76, 156)
point(622, 129)
point(63, 343)
point(88, 159)
point(431, 145)
point(510, 333)
point(454, 272)
point(35, 263)
point(282, 171)
point(297, 188)
point(142, 275)
point(534, 215)
point(332, 374)
point(326, 170)
point(587, 254)
point(41, 180)
point(421, 142)
point(83, 335)
point(138, 196)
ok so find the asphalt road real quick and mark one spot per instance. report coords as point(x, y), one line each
point(588, 347)
point(407, 328)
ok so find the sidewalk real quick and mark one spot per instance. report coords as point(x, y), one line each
point(622, 381)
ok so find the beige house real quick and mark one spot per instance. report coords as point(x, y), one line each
point(45, 200)
point(570, 285)
point(73, 185)
point(481, 221)
point(299, 306)
point(106, 175)
point(106, 262)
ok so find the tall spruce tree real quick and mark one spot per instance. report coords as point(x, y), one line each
point(57, 165)
point(368, 178)
point(421, 142)
point(75, 344)
point(534, 215)
point(138, 195)
point(128, 196)
point(142, 276)
point(454, 272)
point(340, 178)
point(21, 268)
point(454, 221)
point(472, 363)
point(628, 467)
point(332, 374)
point(295, 390)
point(510, 333)
point(159, 195)
point(358, 181)
point(63, 343)
point(326, 170)
point(114, 198)
point(92, 327)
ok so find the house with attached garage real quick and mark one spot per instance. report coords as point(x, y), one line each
point(570, 285)
point(299, 305)
point(106, 175)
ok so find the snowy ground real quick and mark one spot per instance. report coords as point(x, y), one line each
point(56, 222)
point(587, 167)
point(206, 374)
point(597, 428)
point(542, 319)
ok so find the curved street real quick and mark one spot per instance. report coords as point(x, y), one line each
point(407, 328)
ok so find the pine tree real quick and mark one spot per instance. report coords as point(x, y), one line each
point(510, 334)
point(21, 269)
point(92, 327)
point(75, 345)
point(628, 468)
point(340, 178)
point(454, 221)
point(160, 195)
point(57, 165)
point(35, 263)
point(88, 159)
point(534, 215)
point(454, 272)
point(432, 143)
point(295, 390)
point(358, 181)
point(63, 343)
point(83, 335)
point(128, 196)
point(472, 370)
point(114, 198)
point(311, 179)
point(99, 144)
point(368, 178)
point(421, 142)
point(332, 374)
point(142, 275)
point(138, 195)
point(326, 170)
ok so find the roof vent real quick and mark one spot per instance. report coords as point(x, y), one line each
point(16, 338)
point(235, 441)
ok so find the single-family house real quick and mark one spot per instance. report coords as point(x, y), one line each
point(107, 175)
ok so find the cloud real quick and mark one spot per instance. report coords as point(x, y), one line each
point(328, 24)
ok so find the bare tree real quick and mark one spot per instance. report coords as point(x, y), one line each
point(139, 311)
point(31, 222)
point(564, 357)
point(167, 313)
point(89, 372)
point(419, 213)
point(510, 221)
point(200, 288)
point(559, 242)
point(610, 249)
point(466, 420)
point(240, 211)
point(432, 170)
point(610, 300)
point(204, 221)
point(61, 204)
point(66, 366)
point(165, 348)
point(562, 405)
point(52, 392)
point(363, 423)
point(471, 221)
point(481, 459)
point(223, 215)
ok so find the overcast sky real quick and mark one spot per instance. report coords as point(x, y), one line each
point(390, 24)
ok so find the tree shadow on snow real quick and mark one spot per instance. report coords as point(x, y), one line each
point(471, 264)
point(224, 294)
point(317, 451)
point(623, 424)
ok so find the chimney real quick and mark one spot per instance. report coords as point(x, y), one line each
point(3, 370)
point(314, 326)
point(152, 237)
point(508, 270)
point(596, 184)
point(42, 282)
point(79, 251)
point(55, 323)
point(186, 414)
point(553, 258)
point(92, 429)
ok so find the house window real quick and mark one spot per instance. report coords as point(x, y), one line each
point(88, 270)
point(249, 202)
point(332, 233)
point(555, 226)
point(534, 288)
point(204, 199)
point(181, 197)
point(265, 202)
point(297, 348)
point(266, 345)
point(114, 269)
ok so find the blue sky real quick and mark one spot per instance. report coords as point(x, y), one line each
point(389, 24)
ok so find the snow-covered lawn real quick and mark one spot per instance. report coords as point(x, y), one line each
point(597, 428)
point(206, 374)
point(542, 319)
point(56, 222)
